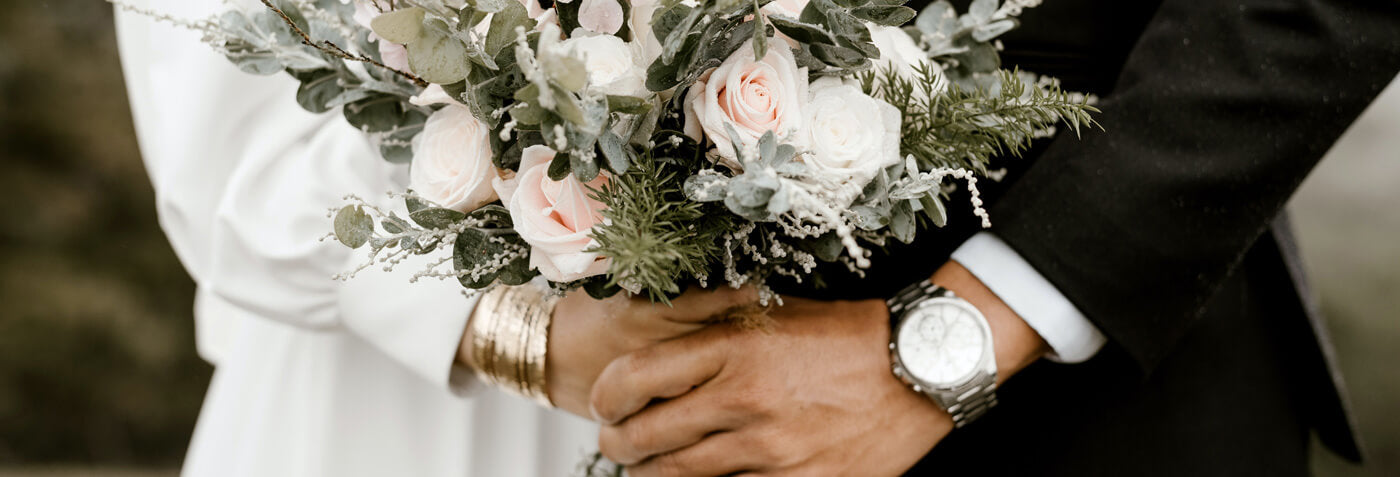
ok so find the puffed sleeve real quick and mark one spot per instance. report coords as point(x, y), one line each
point(244, 183)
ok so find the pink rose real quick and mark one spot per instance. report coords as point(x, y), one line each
point(452, 156)
point(554, 217)
point(752, 96)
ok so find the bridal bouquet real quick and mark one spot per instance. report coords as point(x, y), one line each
point(647, 145)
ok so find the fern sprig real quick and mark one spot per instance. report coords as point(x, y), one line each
point(657, 238)
point(963, 127)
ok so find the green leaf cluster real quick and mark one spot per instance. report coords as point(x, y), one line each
point(965, 41)
point(759, 193)
point(835, 33)
point(697, 38)
point(964, 128)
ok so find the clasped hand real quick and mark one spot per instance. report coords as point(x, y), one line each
point(810, 395)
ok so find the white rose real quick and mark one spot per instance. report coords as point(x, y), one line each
point(452, 157)
point(900, 53)
point(851, 136)
point(752, 96)
point(612, 64)
point(555, 217)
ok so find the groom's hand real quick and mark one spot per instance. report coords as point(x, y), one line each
point(813, 396)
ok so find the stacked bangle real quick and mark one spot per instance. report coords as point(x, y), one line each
point(510, 338)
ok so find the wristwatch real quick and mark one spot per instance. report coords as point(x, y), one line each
point(941, 346)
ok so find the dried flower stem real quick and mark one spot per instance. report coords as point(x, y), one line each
point(337, 51)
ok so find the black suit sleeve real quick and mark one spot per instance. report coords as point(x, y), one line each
point(1222, 109)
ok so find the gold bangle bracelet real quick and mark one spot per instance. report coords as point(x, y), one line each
point(510, 340)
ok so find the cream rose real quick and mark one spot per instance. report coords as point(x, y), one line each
point(452, 156)
point(554, 217)
point(851, 136)
point(612, 64)
point(900, 53)
point(753, 96)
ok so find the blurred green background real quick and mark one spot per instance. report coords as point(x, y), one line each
point(98, 374)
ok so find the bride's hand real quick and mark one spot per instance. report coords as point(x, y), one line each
point(588, 334)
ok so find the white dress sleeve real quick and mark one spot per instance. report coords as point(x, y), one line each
point(245, 180)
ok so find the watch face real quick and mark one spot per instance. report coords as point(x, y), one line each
point(941, 342)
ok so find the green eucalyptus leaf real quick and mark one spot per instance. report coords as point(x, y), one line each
point(473, 249)
point(661, 76)
point(559, 167)
point(469, 17)
point(318, 88)
point(767, 147)
point(673, 42)
point(827, 247)
point(870, 218)
point(628, 104)
point(353, 227)
point(568, 72)
point(583, 168)
point(567, 106)
point(888, 15)
point(839, 56)
point(706, 187)
point(994, 29)
point(376, 113)
point(938, 18)
point(439, 58)
point(395, 225)
point(665, 21)
point(414, 203)
point(980, 58)
point(754, 189)
point(902, 222)
point(436, 218)
point(934, 210)
point(518, 271)
point(982, 10)
point(802, 32)
point(492, 215)
point(501, 34)
point(491, 6)
point(400, 26)
point(527, 113)
point(615, 151)
point(396, 153)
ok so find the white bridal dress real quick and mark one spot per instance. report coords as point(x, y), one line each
point(313, 377)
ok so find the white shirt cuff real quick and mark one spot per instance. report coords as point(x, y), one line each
point(1072, 338)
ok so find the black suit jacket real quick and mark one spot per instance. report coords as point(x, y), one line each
point(1166, 231)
